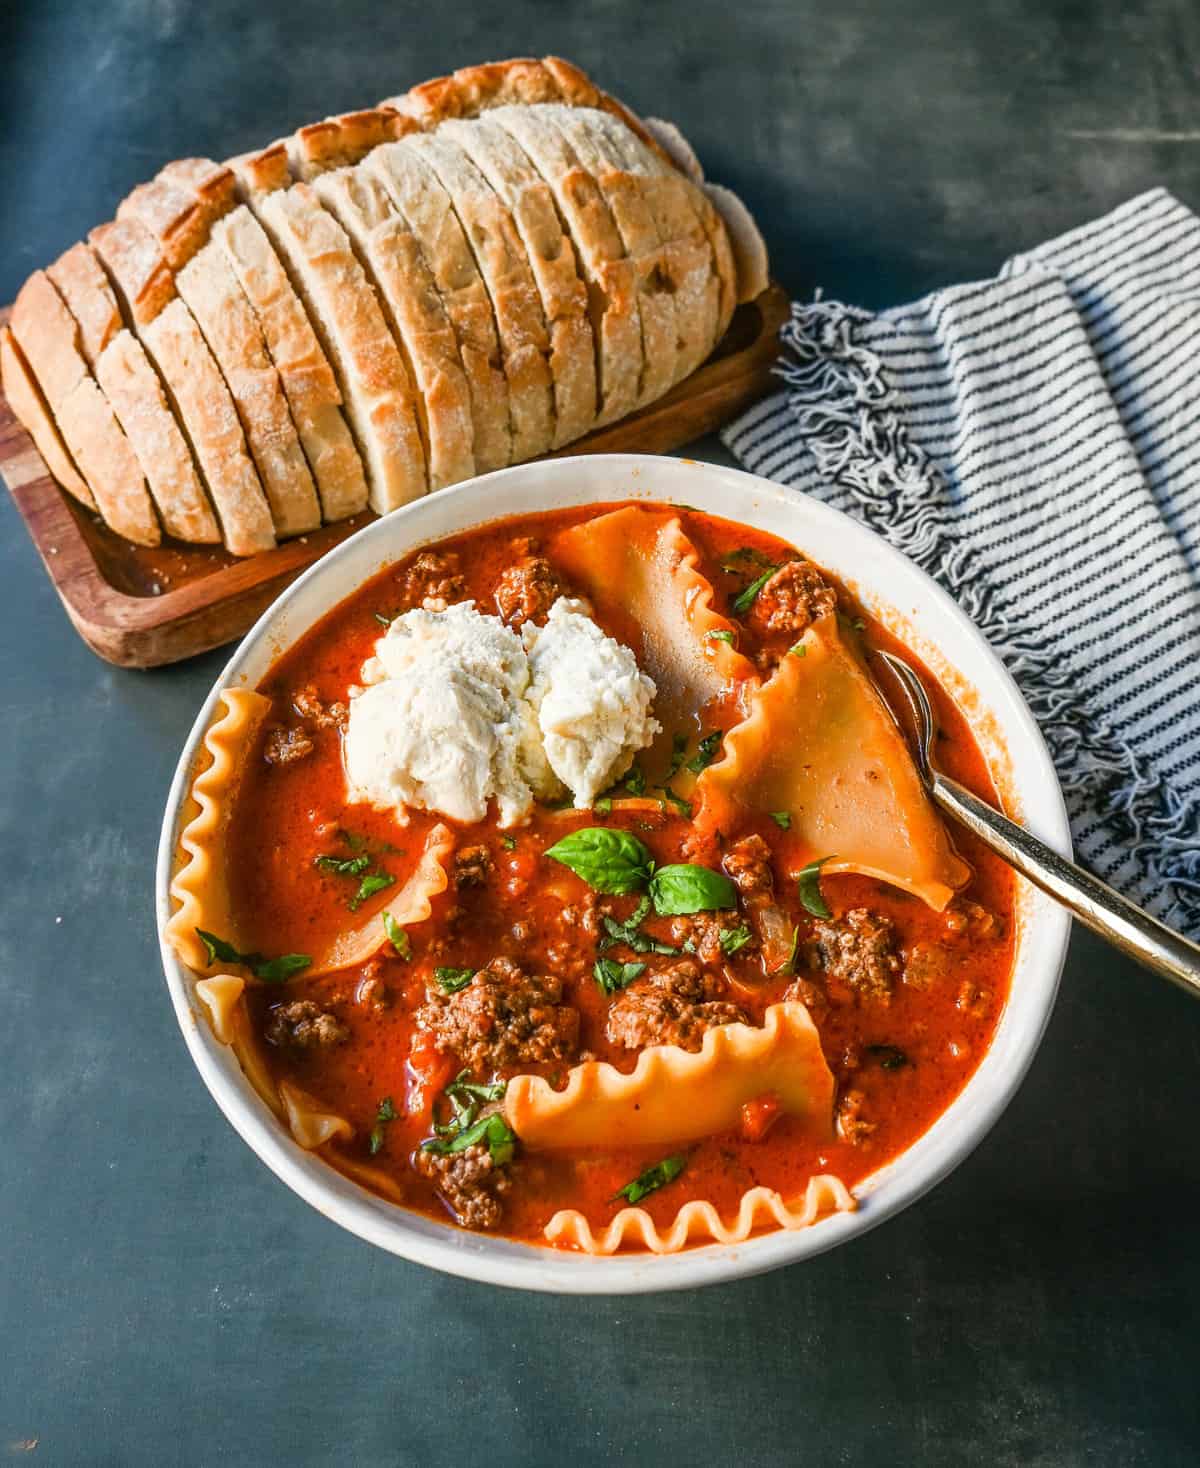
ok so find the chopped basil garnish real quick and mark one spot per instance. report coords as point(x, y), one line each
point(613, 976)
point(453, 979)
point(707, 751)
point(890, 1057)
point(386, 1113)
point(463, 1131)
point(651, 1180)
point(788, 966)
point(630, 933)
point(733, 940)
point(349, 866)
point(809, 881)
point(603, 806)
point(679, 744)
point(509, 843)
point(683, 888)
point(744, 553)
point(608, 860)
point(684, 807)
point(745, 599)
point(722, 634)
point(269, 970)
point(783, 819)
point(397, 936)
point(368, 887)
point(635, 781)
point(798, 650)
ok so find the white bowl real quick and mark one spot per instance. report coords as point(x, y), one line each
point(888, 584)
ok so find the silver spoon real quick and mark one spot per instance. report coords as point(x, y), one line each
point(1096, 905)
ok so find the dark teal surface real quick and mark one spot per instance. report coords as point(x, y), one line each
point(163, 1299)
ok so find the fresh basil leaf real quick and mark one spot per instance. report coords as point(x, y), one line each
point(492, 1130)
point(651, 1180)
point(482, 1090)
point(218, 950)
point(385, 1113)
point(278, 970)
point(509, 843)
point(890, 1057)
point(798, 650)
point(453, 979)
point(744, 553)
point(809, 882)
point(684, 888)
point(733, 940)
point(608, 860)
point(788, 966)
point(635, 781)
point(745, 599)
point(684, 807)
point(631, 936)
point(707, 751)
point(350, 866)
point(613, 976)
point(783, 819)
point(679, 744)
point(603, 806)
point(368, 887)
point(397, 936)
point(719, 635)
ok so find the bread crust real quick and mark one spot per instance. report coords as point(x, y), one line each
point(552, 261)
point(211, 184)
point(132, 387)
point(338, 142)
point(308, 381)
point(357, 340)
point(135, 264)
point(83, 285)
point(516, 306)
point(25, 399)
point(261, 172)
point(224, 315)
point(172, 216)
point(417, 193)
point(387, 246)
point(205, 409)
point(610, 278)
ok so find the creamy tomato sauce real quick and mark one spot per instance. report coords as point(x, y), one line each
point(898, 1059)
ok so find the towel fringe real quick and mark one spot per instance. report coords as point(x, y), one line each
point(844, 408)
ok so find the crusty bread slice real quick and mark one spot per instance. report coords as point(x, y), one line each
point(418, 194)
point(83, 285)
point(311, 388)
point(262, 172)
point(136, 265)
point(688, 260)
point(132, 387)
point(207, 413)
point(610, 279)
point(523, 81)
point(172, 215)
point(552, 260)
point(48, 337)
point(504, 266)
point(623, 193)
point(338, 142)
point(214, 297)
point(390, 253)
point(678, 150)
point(345, 312)
point(26, 400)
point(749, 247)
point(211, 184)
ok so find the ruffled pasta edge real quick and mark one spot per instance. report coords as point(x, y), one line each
point(698, 1221)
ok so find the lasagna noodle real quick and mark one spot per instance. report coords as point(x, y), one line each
point(699, 1222)
point(310, 1125)
point(639, 568)
point(673, 1095)
point(819, 743)
point(199, 886)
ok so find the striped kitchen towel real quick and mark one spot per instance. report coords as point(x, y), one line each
point(1033, 442)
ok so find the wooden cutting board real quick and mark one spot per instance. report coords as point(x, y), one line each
point(140, 607)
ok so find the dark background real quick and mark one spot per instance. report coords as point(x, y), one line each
point(163, 1299)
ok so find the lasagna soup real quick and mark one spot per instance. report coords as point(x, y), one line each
point(572, 881)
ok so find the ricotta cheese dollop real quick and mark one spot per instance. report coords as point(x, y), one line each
point(458, 710)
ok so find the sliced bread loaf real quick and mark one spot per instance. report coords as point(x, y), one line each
point(26, 400)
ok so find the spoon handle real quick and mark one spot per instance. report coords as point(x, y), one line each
point(1094, 903)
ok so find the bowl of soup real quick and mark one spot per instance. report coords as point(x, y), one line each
point(547, 893)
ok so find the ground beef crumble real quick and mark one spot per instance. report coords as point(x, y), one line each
point(673, 1006)
point(527, 590)
point(432, 581)
point(470, 1182)
point(748, 866)
point(317, 713)
point(859, 950)
point(853, 1126)
point(700, 933)
point(502, 1018)
point(793, 599)
point(304, 1025)
point(286, 746)
point(473, 865)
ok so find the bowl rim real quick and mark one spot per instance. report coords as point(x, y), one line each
point(899, 1183)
